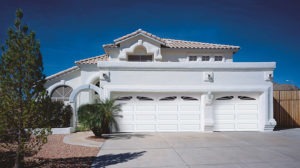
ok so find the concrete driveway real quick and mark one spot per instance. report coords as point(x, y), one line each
point(280, 149)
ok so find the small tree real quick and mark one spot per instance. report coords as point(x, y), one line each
point(99, 117)
point(22, 91)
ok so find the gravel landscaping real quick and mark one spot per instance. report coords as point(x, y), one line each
point(55, 153)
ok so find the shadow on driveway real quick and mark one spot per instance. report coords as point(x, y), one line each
point(125, 136)
point(112, 159)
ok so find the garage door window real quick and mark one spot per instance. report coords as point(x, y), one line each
point(225, 98)
point(169, 98)
point(187, 98)
point(246, 98)
point(143, 98)
point(125, 98)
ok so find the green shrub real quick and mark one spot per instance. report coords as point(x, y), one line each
point(99, 117)
point(59, 115)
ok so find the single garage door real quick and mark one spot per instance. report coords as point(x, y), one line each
point(150, 112)
point(239, 112)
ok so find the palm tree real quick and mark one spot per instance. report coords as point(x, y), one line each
point(100, 117)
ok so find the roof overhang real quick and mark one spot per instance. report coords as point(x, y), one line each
point(139, 34)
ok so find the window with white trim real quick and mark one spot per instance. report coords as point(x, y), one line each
point(225, 98)
point(125, 98)
point(246, 98)
point(169, 98)
point(205, 58)
point(218, 58)
point(187, 98)
point(143, 98)
point(61, 93)
point(192, 58)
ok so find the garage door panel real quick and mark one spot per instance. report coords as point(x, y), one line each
point(126, 127)
point(189, 122)
point(247, 126)
point(190, 117)
point(145, 127)
point(157, 115)
point(127, 107)
point(247, 117)
point(224, 117)
point(168, 108)
point(224, 112)
point(167, 127)
point(236, 114)
point(193, 108)
point(246, 107)
point(140, 108)
point(167, 117)
point(125, 117)
point(145, 117)
point(224, 107)
point(190, 127)
point(224, 126)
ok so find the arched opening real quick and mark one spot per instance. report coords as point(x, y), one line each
point(140, 50)
point(140, 54)
point(80, 96)
point(61, 93)
point(94, 96)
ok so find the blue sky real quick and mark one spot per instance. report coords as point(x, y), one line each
point(70, 30)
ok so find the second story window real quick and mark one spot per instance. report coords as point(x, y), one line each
point(218, 58)
point(205, 58)
point(192, 58)
point(140, 58)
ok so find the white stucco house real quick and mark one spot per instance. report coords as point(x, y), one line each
point(167, 85)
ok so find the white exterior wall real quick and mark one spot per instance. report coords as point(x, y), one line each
point(181, 55)
point(171, 72)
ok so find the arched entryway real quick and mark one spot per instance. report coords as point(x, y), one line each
point(75, 104)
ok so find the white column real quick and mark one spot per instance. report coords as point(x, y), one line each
point(202, 111)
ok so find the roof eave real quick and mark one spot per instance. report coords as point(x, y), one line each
point(117, 41)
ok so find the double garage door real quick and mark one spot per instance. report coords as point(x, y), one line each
point(236, 112)
point(153, 112)
point(166, 112)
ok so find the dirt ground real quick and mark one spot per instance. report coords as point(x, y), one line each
point(55, 153)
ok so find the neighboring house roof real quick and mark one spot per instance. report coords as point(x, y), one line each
point(172, 43)
point(279, 87)
point(61, 73)
point(92, 60)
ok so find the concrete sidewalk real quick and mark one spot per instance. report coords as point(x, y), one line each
point(80, 138)
point(279, 149)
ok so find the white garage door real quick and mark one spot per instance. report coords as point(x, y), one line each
point(236, 112)
point(146, 112)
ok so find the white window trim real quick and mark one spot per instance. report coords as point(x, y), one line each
point(197, 58)
point(219, 56)
point(209, 58)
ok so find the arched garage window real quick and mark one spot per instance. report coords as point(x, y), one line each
point(61, 93)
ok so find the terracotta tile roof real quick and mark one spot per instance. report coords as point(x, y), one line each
point(139, 31)
point(72, 69)
point(93, 60)
point(172, 43)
